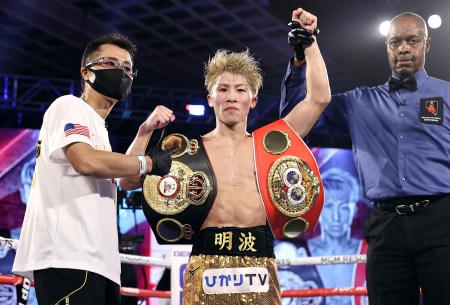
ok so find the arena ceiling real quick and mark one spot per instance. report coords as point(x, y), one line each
point(45, 39)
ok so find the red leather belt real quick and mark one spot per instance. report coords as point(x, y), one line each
point(288, 179)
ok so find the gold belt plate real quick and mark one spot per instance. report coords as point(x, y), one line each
point(173, 193)
point(293, 186)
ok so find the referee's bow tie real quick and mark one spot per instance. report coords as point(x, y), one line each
point(408, 83)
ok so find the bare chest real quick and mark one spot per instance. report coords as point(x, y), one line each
point(237, 201)
point(232, 164)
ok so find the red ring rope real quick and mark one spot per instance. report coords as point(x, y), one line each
point(145, 293)
point(323, 292)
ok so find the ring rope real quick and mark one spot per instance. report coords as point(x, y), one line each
point(323, 292)
point(299, 261)
point(124, 258)
point(145, 293)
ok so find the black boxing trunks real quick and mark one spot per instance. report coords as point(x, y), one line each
point(231, 266)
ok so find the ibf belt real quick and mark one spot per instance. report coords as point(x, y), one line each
point(288, 179)
point(177, 204)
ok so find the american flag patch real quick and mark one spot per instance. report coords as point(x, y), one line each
point(71, 128)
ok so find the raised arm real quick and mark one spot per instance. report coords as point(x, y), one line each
point(159, 118)
point(102, 164)
point(293, 87)
point(303, 116)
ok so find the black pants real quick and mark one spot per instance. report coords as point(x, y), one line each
point(56, 286)
point(407, 253)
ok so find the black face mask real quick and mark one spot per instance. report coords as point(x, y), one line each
point(113, 83)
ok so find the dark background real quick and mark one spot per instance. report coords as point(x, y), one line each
point(41, 44)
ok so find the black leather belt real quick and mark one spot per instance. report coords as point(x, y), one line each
point(177, 204)
point(407, 205)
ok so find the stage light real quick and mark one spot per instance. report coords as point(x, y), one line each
point(434, 21)
point(196, 110)
point(5, 88)
point(384, 27)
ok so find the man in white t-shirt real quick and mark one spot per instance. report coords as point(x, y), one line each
point(69, 238)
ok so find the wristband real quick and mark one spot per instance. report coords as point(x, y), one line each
point(142, 165)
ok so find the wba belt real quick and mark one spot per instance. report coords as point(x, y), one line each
point(177, 204)
point(288, 179)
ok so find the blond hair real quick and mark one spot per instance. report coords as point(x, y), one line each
point(242, 63)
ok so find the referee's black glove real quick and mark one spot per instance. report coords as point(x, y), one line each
point(299, 37)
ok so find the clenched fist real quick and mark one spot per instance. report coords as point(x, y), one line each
point(303, 26)
point(307, 20)
point(159, 118)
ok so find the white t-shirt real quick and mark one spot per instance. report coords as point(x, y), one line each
point(70, 220)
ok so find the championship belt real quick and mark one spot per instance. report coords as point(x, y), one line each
point(177, 204)
point(288, 179)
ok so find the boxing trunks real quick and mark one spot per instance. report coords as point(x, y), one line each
point(230, 266)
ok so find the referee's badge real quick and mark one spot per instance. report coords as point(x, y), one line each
point(432, 110)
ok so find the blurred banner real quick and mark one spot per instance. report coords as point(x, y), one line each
point(339, 232)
